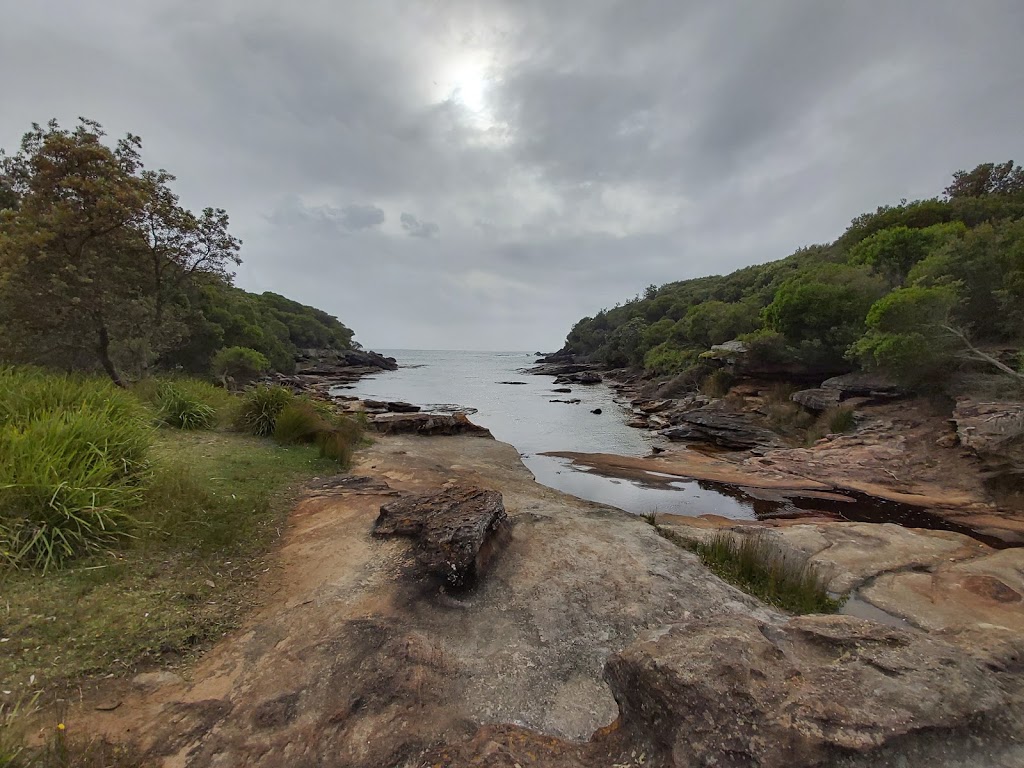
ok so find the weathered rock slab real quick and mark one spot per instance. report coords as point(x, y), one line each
point(427, 424)
point(456, 531)
point(816, 399)
point(726, 430)
point(733, 690)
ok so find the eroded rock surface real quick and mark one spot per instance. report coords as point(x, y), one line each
point(455, 531)
point(735, 691)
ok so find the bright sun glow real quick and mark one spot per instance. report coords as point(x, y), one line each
point(465, 80)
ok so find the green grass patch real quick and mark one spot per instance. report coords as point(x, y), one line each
point(759, 567)
point(215, 505)
point(75, 465)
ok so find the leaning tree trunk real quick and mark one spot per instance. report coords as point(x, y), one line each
point(103, 351)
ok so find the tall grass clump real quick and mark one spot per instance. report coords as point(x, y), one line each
point(757, 565)
point(717, 383)
point(299, 422)
point(74, 467)
point(340, 441)
point(179, 408)
point(260, 408)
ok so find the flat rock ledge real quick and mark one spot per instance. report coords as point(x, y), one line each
point(455, 531)
point(736, 691)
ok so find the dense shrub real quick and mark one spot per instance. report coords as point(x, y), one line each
point(260, 408)
point(75, 464)
point(240, 364)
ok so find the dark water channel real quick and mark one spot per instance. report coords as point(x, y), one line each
point(523, 415)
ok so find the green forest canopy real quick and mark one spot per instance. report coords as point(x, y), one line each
point(904, 289)
point(102, 268)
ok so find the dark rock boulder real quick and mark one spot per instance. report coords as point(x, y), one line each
point(816, 399)
point(455, 531)
point(562, 390)
point(427, 424)
point(597, 411)
point(572, 401)
point(588, 377)
point(864, 384)
point(733, 690)
point(708, 424)
point(511, 382)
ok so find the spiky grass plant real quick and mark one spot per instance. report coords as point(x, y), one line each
point(179, 408)
point(75, 464)
point(260, 409)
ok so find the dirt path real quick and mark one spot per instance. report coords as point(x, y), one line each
point(351, 663)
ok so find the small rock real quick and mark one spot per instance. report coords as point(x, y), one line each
point(597, 411)
point(156, 679)
point(562, 390)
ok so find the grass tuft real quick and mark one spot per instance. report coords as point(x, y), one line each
point(181, 409)
point(717, 383)
point(260, 408)
point(759, 567)
point(299, 422)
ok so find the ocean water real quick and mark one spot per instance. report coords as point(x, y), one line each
point(522, 415)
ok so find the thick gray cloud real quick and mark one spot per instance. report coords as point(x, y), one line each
point(482, 173)
point(417, 228)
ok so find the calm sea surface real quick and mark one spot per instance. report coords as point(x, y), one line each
point(522, 415)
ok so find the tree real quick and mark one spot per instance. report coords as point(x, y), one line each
point(97, 252)
point(987, 179)
point(893, 252)
point(824, 309)
point(240, 364)
point(908, 334)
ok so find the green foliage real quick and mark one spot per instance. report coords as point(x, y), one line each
point(101, 268)
point(810, 307)
point(716, 322)
point(755, 564)
point(75, 465)
point(893, 252)
point(667, 359)
point(239, 363)
point(906, 334)
point(96, 258)
point(215, 504)
point(827, 305)
point(260, 409)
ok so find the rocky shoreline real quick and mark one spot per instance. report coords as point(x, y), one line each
point(963, 464)
point(587, 639)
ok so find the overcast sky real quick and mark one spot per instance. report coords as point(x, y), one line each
point(449, 174)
